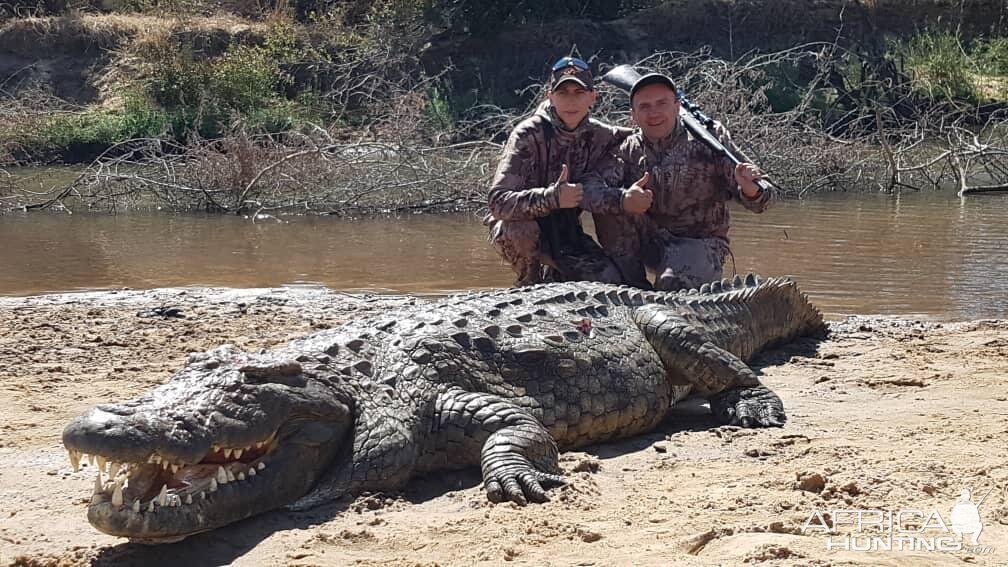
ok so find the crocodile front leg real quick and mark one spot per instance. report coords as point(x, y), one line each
point(690, 356)
point(517, 454)
point(383, 454)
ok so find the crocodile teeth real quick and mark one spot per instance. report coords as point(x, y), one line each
point(252, 472)
point(75, 460)
point(151, 507)
point(175, 468)
point(114, 469)
point(162, 498)
point(222, 477)
point(238, 453)
point(117, 495)
point(188, 499)
point(230, 476)
point(101, 462)
point(90, 459)
point(136, 506)
point(227, 453)
point(202, 494)
point(241, 476)
point(213, 485)
point(261, 465)
point(97, 485)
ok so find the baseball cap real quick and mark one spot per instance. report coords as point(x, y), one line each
point(653, 79)
point(571, 69)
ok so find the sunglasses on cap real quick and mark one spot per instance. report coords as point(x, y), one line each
point(570, 62)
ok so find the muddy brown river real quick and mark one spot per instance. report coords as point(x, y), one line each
point(934, 256)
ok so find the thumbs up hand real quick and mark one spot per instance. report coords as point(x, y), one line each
point(570, 193)
point(637, 199)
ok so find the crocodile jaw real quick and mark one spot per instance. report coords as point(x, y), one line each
point(221, 441)
point(149, 504)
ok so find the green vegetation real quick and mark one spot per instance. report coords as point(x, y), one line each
point(912, 73)
point(93, 131)
point(175, 93)
point(945, 66)
point(182, 70)
point(248, 83)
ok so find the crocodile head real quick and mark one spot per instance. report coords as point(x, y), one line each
point(230, 436)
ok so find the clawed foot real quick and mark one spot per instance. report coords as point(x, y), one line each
point(754, 406)
point(513, 478)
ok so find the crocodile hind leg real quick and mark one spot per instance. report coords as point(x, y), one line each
point(516, 453)
point(691, 357)
point(749, 407)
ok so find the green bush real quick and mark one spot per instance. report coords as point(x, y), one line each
point(286, 115)
point(245, 85)
point(940, 65)
point(992, 56)
point(172, 77)
point(944, 66)
point(245, 78)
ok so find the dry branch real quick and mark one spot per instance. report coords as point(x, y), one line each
point(878, 134)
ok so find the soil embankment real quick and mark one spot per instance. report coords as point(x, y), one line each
point(885, 415)
point(82, 57)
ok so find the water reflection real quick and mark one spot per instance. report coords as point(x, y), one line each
point(927, 255)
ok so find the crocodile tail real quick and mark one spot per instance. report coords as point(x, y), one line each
point(781, 312)
point(747, 314)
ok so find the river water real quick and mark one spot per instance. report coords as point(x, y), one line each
point(932, 256)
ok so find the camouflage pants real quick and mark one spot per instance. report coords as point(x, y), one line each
point(635, 242)
point(520, 243)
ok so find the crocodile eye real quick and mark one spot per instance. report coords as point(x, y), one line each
point(288, 372)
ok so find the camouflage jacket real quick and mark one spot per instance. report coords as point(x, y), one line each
point(691, 184)
point(524, 187)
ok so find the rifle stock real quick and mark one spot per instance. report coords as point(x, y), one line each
point(694, 120)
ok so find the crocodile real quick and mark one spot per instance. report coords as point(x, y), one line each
point(499, 379)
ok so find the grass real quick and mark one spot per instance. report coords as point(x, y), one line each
point(82, 136)
point(945, 66)
point(170, 79)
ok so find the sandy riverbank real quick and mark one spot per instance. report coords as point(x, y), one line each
point(891, 415)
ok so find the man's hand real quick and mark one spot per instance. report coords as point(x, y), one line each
point(570, 193)
point(637, 199)
point(746, 175)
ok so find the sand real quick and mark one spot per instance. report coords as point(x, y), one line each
point(885, 415)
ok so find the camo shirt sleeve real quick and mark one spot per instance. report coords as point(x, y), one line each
point(603, 184)
point(517, 191)
point(761, 201)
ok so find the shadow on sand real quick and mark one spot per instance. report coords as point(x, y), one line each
point(218, 547)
